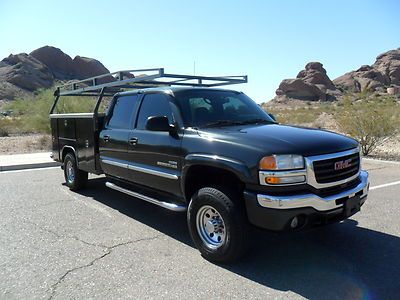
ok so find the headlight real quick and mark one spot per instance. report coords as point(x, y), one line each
point(282, 162)
point(285, 169)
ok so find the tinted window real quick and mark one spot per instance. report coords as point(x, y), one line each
point(124, 108)
point(154, 105)
point(203, 107)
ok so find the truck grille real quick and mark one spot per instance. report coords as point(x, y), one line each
point(336, 169)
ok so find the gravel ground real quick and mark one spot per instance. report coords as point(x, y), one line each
point(28, 143)
point(390, 150)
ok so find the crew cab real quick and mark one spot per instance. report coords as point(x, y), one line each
point(213, 153)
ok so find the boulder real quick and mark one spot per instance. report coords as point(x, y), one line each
point(393, 90)
point(388, 64)
point(26, 72)
point(59, 63)
point(299, 89)
point(22, 74)
point(383, 73)
point(311, 84)
point(85, 67)
point(315, 73)
point(64, 67)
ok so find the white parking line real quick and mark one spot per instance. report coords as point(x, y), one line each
point(384, 185)
point(28, 170)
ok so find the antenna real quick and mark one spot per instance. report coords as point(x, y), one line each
point(194, 67)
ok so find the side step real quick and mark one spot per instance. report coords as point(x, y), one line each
point(167, 205)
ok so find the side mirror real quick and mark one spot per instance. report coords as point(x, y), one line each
point(159, 123)
point(272, 116)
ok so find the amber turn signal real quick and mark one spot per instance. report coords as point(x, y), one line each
point(268, 163)
point(272, 180)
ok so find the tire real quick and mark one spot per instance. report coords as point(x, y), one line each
point(218, 224)
point(75, 179)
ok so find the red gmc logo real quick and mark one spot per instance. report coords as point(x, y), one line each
point(343, 164)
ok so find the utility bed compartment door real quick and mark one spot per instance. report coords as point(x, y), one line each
point(66, 132)
point(77, 131)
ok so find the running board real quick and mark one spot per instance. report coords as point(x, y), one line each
point(167, 205)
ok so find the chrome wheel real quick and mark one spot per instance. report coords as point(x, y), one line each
point(70, 172)
point(210, 227)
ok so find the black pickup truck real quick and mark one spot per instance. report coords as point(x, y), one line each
point(187, 145)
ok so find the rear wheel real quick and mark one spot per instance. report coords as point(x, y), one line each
point(74, 178)
point(218, 224)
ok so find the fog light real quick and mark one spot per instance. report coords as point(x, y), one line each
point(294, 223)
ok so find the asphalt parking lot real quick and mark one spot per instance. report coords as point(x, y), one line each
point(102, 244)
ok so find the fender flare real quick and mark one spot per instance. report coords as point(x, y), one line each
point(234, 166)
point(73, 150)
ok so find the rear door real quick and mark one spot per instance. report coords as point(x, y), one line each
point(113, 139)
point(155, 157)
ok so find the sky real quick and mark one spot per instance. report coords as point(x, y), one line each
point(266, 40)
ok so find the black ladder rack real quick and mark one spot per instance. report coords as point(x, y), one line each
point(111, 83)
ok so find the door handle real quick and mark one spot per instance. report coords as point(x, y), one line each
point(106, 138)
point(133, 141)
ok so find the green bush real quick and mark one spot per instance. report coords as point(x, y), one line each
point(3, 131)
point(32, 114)
point(370, 121)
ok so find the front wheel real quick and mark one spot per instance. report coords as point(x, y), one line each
point(74, 178)
point(218, 224)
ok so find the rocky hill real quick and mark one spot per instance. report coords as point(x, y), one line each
point(21, 74)
point(313, 83)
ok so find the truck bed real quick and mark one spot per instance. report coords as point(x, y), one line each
point(78, 132)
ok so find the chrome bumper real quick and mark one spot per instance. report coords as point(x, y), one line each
point(315, 201)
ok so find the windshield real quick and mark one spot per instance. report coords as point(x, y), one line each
point(207, 108)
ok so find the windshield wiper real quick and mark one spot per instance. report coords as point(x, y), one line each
point(232, 122)
point(222, 123)
point(256, 121)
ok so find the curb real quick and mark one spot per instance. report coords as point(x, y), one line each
point(29, 166)
point(381, 160)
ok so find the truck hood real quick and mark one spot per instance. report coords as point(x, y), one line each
point(282, 139)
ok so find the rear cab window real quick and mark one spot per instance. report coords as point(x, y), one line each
point(123, 110)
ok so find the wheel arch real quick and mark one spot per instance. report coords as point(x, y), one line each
point(201, 170)
point(68, 149)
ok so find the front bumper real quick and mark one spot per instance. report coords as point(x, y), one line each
point(276, 212)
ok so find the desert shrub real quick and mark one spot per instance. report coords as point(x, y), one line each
point(3, 132)
point(32, 114)
point(45, 142)
point(370, 121)
point(303, 115)
point(7, 126)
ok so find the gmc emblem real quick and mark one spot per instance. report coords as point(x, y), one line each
point(343, 164)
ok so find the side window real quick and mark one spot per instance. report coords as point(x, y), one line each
point(123, 109)
point(153, 105)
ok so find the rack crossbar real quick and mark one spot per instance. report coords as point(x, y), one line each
point(127, 79)
point(112, 83)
